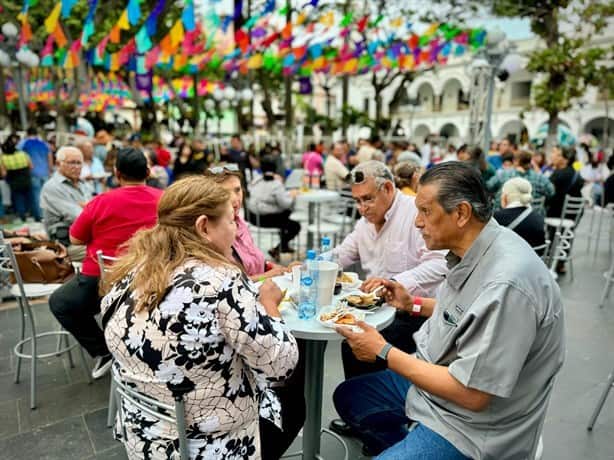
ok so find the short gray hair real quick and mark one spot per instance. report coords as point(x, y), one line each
point(375, 169)
point(62, 151)
point(460, 181)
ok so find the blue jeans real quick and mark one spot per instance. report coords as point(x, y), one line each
point(20, 199)
point(374, 406)
point(37, 185)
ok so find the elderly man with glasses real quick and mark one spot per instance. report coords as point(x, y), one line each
point(388, 246)
point(63, 197)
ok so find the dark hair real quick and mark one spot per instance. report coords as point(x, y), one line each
point(478, 158)
point(458, 182)
point(312, 147)
point(32, 131)
point(131, 164)
point(268, 165)
point(610, 162)
point(569, 154)
point(462, 148)
point(507, 157)
point(524, 159)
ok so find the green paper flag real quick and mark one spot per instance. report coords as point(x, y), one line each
point(347, 20)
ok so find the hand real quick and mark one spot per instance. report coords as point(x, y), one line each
point(396, 295)
point(294, 264)
point(270, 297)
point(277, 270)
point(294, 192)
point(371, 283)
point(365, 344)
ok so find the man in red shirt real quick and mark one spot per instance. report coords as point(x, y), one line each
point(106, 222)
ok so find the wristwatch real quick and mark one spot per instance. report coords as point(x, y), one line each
point(382, 356)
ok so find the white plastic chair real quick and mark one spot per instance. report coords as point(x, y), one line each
point(271, 232)
point(600, 213)
point(175, 414)
point(609, 280)
point(601, 402)
point(23, 292)
point(564, 231)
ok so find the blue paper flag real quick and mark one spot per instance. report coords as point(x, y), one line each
point(134, 12)
point(269, 6)
point(67, 6)
point(226, 23)
point(187, 17)
point(143, 43)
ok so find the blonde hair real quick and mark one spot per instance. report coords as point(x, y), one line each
point(518, 189)
point(154, 254)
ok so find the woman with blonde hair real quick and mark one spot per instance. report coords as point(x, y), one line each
point(517, 214)
point(182, 319)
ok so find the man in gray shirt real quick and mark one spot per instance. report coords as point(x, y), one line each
point(63, 197)
point(480, 381)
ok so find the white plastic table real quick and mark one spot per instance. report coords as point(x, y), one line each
point(315, 198)
point(316, 337)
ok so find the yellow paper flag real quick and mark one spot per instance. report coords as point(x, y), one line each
point(177, 33)
point(328, 19)
point(52, 20)
point(351, 66)
point(123, 23)
point(255, 61)
point(300, 19)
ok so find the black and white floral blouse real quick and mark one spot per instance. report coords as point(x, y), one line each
point(211, 342)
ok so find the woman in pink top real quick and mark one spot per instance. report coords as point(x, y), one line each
point(313, 162)
point(244, 249)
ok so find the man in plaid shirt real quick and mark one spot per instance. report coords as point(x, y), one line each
point(542, 187)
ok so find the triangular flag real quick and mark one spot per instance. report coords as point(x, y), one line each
point(114, 34)
point(52, 20)
point(133, 11)
point(122, 22)
point(177, 34)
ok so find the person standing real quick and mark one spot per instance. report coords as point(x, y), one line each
point(107, 222)
point(336, 173)
point(42, 165)
point(17, 167)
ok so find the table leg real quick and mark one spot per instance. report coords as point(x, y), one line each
point(314, 381)
point(311, 220)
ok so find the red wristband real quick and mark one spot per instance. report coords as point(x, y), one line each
point(417, 307)
point(267, 266)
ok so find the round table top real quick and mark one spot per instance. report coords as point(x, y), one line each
point(311, 329)
point(318, 196)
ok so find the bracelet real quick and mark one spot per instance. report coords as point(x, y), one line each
point(262, 279)
point(417, 307)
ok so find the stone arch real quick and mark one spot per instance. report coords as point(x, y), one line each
point(420, 133)
point(515, 130)
point(597, 127)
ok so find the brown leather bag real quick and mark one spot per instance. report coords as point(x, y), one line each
point(43, 262)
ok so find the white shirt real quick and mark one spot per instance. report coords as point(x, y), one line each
point(335, 172)
point(398, 250)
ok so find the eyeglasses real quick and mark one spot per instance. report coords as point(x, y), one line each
point(231, 167)
point(73, 163)
point(365, 202)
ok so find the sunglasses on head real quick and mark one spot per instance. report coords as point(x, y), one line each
point(231, 167)
point(358, 177)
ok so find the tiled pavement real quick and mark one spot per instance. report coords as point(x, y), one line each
point(70, 421)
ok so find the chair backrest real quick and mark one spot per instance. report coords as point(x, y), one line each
point(8, 265)
point(174, 415)
point(542, 250)
point(104, 262)
point(573, 208)
point(295, 178)
point(539, 204)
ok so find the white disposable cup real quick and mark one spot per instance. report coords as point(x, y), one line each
point(327, 277)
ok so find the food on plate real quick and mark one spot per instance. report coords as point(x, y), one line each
point(362, 300)
point(345, 278)
point(347, 318)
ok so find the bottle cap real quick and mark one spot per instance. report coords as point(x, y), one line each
point(325, 241)
point(306, 281)
point(311, 255)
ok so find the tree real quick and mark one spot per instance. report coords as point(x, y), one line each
point(568, 61)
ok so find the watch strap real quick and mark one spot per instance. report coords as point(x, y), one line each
point(383, 353)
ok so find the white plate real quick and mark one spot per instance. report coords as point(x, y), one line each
point(353, 284)
point(366, 310)
point(331, 323)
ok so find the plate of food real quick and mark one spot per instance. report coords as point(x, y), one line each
point(340, 315)
point(348, 280)
point(363, 301)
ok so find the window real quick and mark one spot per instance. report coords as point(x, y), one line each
point(521, 92)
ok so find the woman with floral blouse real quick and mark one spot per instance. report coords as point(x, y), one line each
point(185, 320)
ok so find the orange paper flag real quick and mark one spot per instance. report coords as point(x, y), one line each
point(114, 34)
point(60, 38)
point(286, 32)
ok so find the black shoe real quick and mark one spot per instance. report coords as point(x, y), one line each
point(369, 452)
point(341, 428)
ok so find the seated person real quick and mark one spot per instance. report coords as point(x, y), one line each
point(387, 245)
point(517, 214)
point(336, 173)
point(107, 222)
point(63, 197)
point(566, 180)
point(486, 360)
point(184, 320)
point(270, 205)
point(608, 185)
point(406, 177)
point(540, 184)
point(245, 251)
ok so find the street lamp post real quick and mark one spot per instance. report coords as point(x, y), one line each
point(12, 56)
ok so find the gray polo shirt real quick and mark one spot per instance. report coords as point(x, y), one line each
point(60, 200)
point(498, 326)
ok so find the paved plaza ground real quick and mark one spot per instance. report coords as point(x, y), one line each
point(70, 421)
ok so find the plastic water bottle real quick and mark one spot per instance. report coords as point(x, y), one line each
point(325, 248)
point(306, 305)
point(312, 267)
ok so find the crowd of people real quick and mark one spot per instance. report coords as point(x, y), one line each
point(190, 310)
